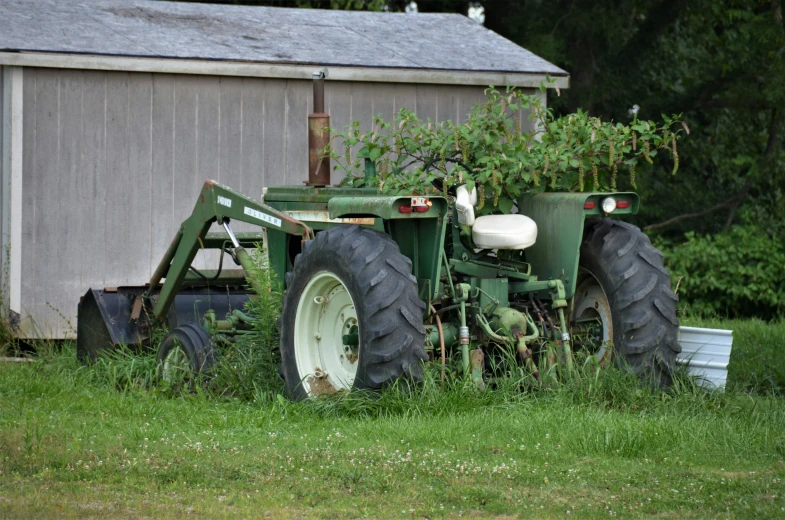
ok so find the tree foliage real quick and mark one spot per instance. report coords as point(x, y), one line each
point(720, 64)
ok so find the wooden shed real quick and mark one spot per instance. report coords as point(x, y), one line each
point(115, 112)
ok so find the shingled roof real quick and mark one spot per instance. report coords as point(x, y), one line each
point(270, 35)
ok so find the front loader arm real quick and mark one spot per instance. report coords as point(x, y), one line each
point(216, 203)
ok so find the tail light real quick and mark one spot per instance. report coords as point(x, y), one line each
point(416, 209)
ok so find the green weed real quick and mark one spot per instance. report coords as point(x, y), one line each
point(249, 366)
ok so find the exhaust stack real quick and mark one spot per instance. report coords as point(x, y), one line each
point(318, 135)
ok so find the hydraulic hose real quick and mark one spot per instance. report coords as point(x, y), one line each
point(441, 338)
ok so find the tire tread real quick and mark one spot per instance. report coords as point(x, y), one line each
point(638, 288)
point(393, 335)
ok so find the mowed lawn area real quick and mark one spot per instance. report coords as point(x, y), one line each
point(74, 444)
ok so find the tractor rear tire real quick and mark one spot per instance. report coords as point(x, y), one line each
point(618, 263)
point(186, 353)
point(351, 317)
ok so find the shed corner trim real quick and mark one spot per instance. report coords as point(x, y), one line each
point(11, 167)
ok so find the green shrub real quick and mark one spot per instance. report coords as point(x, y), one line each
point(738, 273)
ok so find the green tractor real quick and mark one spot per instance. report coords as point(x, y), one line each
point(377, 285)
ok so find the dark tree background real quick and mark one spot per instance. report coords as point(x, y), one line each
point(718, 63)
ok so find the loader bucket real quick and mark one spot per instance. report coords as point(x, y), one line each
point(104, 317)
point(104, 322)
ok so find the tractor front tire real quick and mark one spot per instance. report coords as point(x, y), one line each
point(622, 281)
point(186, 353)
point(351, 316)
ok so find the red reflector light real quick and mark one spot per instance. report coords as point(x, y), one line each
point(622, 204)
point(410, 209)
point(589, 204)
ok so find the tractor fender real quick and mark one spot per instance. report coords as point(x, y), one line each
point(560, 219)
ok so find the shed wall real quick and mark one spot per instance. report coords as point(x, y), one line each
point(113, 162)
point(4, 232)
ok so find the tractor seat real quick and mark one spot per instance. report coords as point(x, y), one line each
point(514, 231)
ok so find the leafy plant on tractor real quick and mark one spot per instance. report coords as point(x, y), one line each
point(493, 152)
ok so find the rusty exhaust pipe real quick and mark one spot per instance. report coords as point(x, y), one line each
point(318, 136)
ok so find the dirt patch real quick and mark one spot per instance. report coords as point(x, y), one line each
point(735, 474)
point(321, 385)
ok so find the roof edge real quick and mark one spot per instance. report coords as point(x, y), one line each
point(280, 71)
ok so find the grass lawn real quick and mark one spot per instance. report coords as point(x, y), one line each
point(72, 445)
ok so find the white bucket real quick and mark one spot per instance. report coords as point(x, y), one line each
point(706, 353)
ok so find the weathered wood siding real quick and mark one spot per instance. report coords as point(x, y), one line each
point(113, 163)
point(4, 195)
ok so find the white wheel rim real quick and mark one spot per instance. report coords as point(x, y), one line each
point(591, 301)
point(325, 313)
point(175, 362)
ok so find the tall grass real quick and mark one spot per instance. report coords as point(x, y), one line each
point(599, 413)
point(248, 372)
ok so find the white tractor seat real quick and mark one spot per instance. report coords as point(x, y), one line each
point(504, 232)
point(494, 231)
